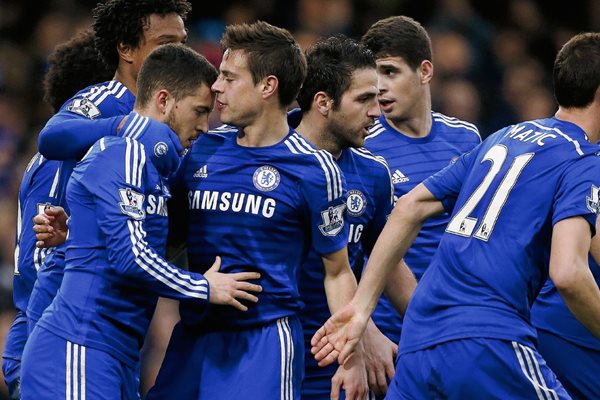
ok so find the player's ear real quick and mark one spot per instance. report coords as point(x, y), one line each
point(426, 71)
point(270, 85)
point(322, 102)
point(163, 101)
point(125, 52)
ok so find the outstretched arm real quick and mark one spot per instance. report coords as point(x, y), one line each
point(340, 286)
point(69, 138)
point(341, 333)
point(400, 286)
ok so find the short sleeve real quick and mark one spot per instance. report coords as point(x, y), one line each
point(578, 191)
point(325, 195)
point(446, 184)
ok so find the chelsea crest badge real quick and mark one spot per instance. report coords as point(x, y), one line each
point(266, 178)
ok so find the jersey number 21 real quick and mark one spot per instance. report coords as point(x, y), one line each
point(464, 225)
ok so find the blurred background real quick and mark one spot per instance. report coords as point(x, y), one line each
point(493, 64)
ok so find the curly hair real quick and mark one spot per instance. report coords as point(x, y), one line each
point(73, 65)
point(123, 21)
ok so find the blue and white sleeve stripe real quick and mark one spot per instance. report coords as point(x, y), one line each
point(159, 269)
point(135, 159)
point(298, 145)
point(135, 126)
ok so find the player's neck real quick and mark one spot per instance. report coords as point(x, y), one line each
point(586, 118)
point(317, 134)
point(126, 79)
point(267, 129)
point(414, 126)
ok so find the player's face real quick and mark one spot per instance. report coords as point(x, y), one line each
point(159, 30)
point(401, 90)
point(189, 116)
point(357, 109)
point(238, 98)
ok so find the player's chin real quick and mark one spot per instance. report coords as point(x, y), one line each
point(188, 143)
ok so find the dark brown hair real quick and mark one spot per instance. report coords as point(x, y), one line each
point(176, 68)
point(399, 36)
point(576, 74)
point(269, 51)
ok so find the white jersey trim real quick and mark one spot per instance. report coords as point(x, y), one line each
point(561, 133)
point(135, 160)
point(298, 145)
point(287, 359)
point(531, 370)
point(361, 151)
point(455, 123)
point(75, 372)
point(54, 183)
point(162, 271)
point(375, 130)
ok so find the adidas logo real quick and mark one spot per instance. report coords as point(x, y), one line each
point(202, 172)
point(399, 177)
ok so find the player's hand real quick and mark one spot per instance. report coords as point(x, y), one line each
point(228, 289)
point(380, 356)
point(352, 377)
point(50, 227)
point(338, 337)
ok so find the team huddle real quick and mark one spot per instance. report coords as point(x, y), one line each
point(471, 256)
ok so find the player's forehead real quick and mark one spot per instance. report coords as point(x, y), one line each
point(363, 82)
point(168, 28)
point(390, 61)
point(201, 97)
point(234, 61)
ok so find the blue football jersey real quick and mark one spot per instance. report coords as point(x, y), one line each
point(492, 261)
point(103, 100)
point(260, 209)
point(115, 268)
point(38, 190)
point(369, 202)
point(551, 314)
point(411, 161)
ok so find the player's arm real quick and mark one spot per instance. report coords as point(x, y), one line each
point(400, 287)
point(402, 227)
point(57, 144)
point(116, 180)
point(67, 136)
point(595, 246)
point(340, 285)
point(401, 282)
point(342, 332)
point(380, 351)
point(571, 273)
point(325, 203)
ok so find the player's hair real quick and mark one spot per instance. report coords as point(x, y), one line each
point(269, 50)
point(331, 63)
point(176, 68)
point(576, 74)
point(399, 36)
point(73, 65)
point(124, 21)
